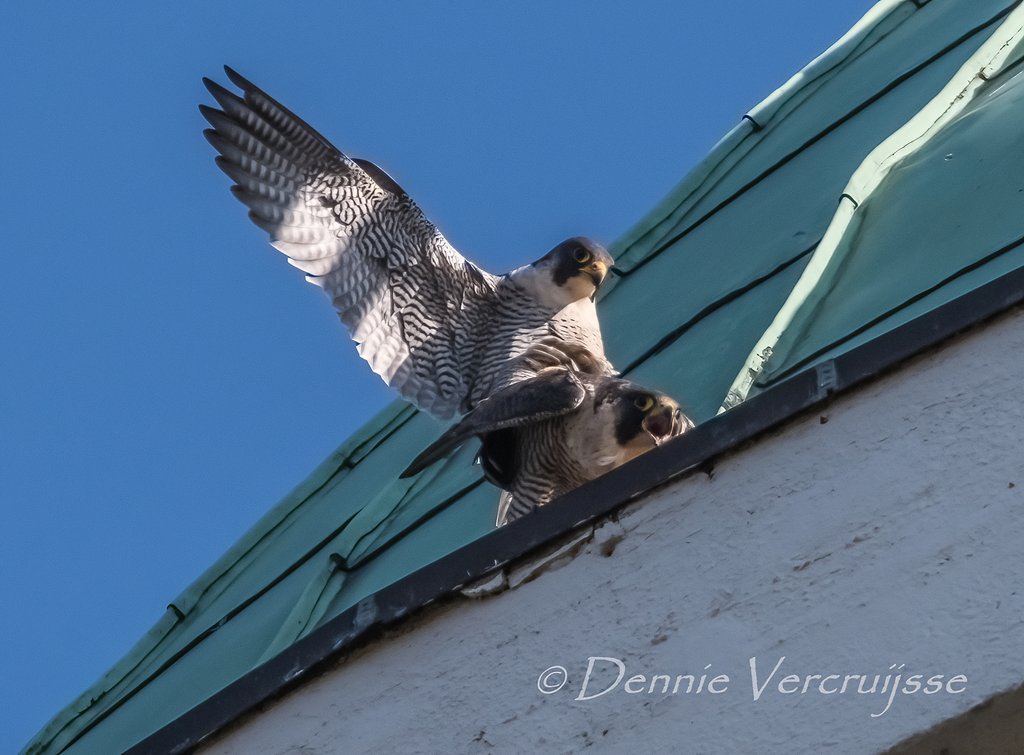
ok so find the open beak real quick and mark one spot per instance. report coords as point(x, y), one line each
point(666, 423)
point(659, 424)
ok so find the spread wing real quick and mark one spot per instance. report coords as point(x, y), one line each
point(406, 296)
point(552, 393)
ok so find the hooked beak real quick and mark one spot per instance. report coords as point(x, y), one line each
point(598, 271)
point(681, 423)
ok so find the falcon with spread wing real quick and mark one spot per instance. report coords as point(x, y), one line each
point(433, 325)
point(558, 425)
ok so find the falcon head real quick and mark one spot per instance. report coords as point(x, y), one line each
point(577, 268)
point(642, 418)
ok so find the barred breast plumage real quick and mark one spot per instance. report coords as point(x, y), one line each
point(433, 325)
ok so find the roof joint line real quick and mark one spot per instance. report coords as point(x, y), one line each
point(676, 333)
point(663, 245)
point(376, 549)
point(207, 632)
point(792, 370)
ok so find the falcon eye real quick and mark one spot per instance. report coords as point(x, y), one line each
point(581, 255)
point(643, 403)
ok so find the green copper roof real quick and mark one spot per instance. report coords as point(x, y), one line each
point(931, 213)
point(879, 182)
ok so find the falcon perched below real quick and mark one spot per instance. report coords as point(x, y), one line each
point(550, 432)
point(434, 326)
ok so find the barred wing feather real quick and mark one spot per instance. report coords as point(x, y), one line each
point(410, 301)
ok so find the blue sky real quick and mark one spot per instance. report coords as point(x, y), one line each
point(167, 376)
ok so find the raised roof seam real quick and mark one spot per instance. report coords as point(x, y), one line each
point(661, 246)
point(960, 90)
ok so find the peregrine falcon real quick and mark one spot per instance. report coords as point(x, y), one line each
point(433, 325)
point(544, 435)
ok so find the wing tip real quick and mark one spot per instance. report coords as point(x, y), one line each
point(215, 139)
point(211, 114)
point(238, 79)
point(411, 470)
point(223, 95)
point(452, 439)
point(428, 457)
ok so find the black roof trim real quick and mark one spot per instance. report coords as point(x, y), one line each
point(779, 403)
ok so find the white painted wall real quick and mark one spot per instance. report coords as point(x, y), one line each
point(890, 534)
